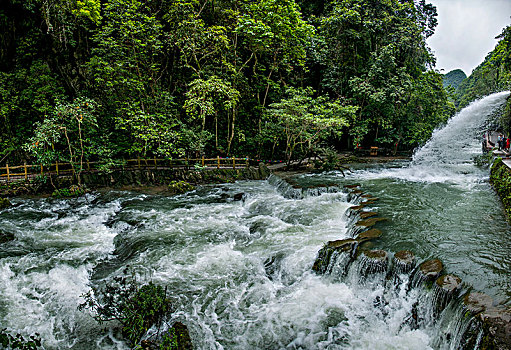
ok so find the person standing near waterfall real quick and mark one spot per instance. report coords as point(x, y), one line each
point(507, 143)
point(499, 142)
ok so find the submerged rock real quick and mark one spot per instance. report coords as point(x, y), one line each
point(273, 264)
point(6, 236)
point(477, 302)
point(238, 196)
point(5, 203)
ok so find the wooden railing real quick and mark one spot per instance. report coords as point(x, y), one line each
point(27, 171)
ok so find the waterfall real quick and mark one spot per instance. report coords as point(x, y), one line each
point(448, 156)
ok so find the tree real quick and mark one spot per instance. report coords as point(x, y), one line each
point(305, 120)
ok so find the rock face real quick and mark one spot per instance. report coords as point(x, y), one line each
point(4, 203)
point(496, 325)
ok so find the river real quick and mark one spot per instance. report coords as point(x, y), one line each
point(240, 270)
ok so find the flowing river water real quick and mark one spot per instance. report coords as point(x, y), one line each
point(240, 270)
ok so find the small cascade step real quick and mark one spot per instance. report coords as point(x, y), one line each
point(369, 234)
point(428, 271)
point(324, 258)
point(404, 262)
point(373, 262)
point(446, 288)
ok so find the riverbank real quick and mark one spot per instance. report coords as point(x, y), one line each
point(160, 181)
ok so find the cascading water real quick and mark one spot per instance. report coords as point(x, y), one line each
point(241, 271)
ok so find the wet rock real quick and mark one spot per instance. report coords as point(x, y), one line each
point(323, 260)
point(369, 222)
point(496, 325)
point(369, 234)
point(404, 261)
point(431, 269)
point(367, 214)
point(6, 236)
point(238, 196)
point(273, 264)
point(367, 196)
point(369, 201)
point(449, 283)
point(5, 203)
point(356, 192)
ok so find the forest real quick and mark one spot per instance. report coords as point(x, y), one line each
point(269, 79)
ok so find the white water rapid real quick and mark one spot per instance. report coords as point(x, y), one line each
point(240, 272)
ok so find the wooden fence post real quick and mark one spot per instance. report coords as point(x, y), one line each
point(247, 161)
point(7, 168)
point(202, 160)
point(26, 174)
point(57, 167)
point(233, 162)
point(218, 162)
point(155, 164)
point(138, 159)
point(41, 170)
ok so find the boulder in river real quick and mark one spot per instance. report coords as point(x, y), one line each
point(5, 203)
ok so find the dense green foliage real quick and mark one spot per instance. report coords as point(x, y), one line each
point(9, 341)
point(454, 78)
point(135, 307)
point(105, 79)
point(492, 75)
point(500, 178)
